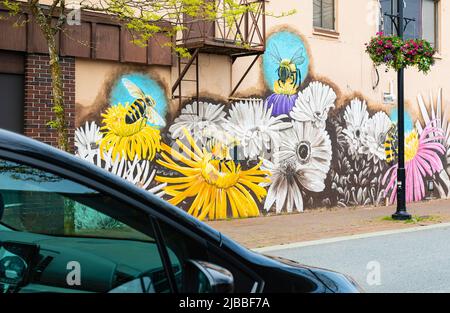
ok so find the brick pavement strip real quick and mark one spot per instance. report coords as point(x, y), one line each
point(326, 223)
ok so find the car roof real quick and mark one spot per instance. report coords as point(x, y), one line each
point(26, 146)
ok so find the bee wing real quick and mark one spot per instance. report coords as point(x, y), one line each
point(133, 90)
point(393, 130)
point(298, 60)
point(297, 57)
point(275, 54)
point(154, 117)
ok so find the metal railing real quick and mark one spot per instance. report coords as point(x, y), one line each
point(246, 30)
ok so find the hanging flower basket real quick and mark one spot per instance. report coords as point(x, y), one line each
point(397, 54)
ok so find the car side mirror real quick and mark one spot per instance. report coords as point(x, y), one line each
point(205, 277)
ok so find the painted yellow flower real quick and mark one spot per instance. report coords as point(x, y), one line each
point(411, 145)
point(128, 140)
point(287, 88)
point(215, 185)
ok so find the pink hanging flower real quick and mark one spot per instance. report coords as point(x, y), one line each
point(422, 158)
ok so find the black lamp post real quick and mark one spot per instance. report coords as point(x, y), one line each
point(401, 213)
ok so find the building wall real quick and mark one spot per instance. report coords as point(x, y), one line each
point(38, 98)
point(306, 134)
point(342, 59)
point(214, 78)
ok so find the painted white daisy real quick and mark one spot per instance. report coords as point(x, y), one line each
point(252, 124)
point(198, 118)
point(313, 104)
point(303, 162)
point(138, 172)
point(355, 116)
point(375, 131)
point(87, 140)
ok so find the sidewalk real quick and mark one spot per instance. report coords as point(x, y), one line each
point(327, 223)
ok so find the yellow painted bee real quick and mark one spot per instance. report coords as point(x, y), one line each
point(391, 145)
point(143, 108)
point(289, 74)
point(219, 145)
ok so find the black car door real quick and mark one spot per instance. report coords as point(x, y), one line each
point(183, 245)
point(87, 240)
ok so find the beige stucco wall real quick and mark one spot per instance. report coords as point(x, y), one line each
point(342, 60)
point(94, 79)
point(214, 77)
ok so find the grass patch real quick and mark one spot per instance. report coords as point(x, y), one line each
point(415, 219)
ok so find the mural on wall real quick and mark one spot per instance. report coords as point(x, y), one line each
point(422, 159)
point(285, 67)
point(129, 137)
point(360, 157)
point(439, 114)
point(215, 184)
point(303, 145)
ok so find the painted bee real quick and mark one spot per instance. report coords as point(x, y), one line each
point(391, 144)
point(288, 69)
point(143, 108)
point(220, 145)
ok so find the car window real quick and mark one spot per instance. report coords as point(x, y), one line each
point(112, 242)
point(182, 247)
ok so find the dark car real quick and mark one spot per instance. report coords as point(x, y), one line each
point(138, 243)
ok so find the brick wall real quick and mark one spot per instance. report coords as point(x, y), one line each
point(38, 97)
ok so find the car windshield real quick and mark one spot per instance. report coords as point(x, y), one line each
point(40, 202)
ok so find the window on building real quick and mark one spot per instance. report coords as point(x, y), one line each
point(12, 68)
point(324, 14)
point(425, 14)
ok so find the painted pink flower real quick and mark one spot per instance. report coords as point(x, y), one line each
point(422, 159)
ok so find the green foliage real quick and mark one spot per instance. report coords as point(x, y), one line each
point(397, 54)
point(415, 219)
point(12, 6)
point(146, 18)
point(59, 122)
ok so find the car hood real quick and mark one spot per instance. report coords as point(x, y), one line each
point(335, 281)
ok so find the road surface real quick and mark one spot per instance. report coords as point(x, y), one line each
point(415, 261)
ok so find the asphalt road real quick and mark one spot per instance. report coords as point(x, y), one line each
point(416, 261)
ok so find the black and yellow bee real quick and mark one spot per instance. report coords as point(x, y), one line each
point(143, 108)
point(288, 69)
point(391, 144)
point(220, 145)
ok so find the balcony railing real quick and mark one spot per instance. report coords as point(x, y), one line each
point(244, 32)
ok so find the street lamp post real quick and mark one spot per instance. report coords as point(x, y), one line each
point(401, 212)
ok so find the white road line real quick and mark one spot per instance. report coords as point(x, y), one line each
point(351, 237)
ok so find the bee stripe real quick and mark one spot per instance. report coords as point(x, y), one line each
point(141, 105)
point(135, 111)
